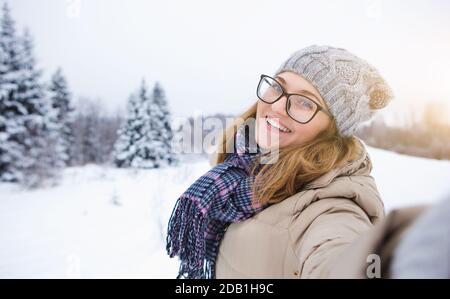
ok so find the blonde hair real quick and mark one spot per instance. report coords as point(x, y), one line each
point(297, 165)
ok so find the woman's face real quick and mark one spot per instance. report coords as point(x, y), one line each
point(268, 136)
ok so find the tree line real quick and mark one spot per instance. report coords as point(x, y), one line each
point(41, 132)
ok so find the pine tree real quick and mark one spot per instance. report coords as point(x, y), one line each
point(160, 123)
point(130, 148)
point(145, 136)
point(11, 110)
point(29, 128)
point(4, 129)
point(43, 151)
point(60, 98)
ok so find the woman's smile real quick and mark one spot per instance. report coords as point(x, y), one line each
point(273, 125)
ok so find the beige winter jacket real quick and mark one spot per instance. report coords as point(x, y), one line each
point(304, 235)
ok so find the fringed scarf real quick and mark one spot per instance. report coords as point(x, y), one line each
point(203, 212)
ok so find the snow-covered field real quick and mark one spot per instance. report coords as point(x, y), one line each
point(110, 223)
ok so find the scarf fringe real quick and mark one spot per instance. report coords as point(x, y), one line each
point(184, 239)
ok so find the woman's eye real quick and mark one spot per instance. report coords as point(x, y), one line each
point(304, 104)
point(307, 104)
point(276, 87)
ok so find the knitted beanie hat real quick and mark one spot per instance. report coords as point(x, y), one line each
point(352, 89)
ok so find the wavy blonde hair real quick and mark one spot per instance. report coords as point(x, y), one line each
point(297, 165)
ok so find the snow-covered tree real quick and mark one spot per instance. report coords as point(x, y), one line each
point(160, 123)
point(142, 141)
point(43, 150)
point(60, 98)
point(131, 133)
point(29, 129)
point(11, 110)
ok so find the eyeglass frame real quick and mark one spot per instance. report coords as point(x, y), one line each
point(284, 93)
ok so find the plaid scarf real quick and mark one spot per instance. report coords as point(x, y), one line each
point(203, 212)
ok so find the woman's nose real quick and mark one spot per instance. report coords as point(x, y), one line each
point(280, 106)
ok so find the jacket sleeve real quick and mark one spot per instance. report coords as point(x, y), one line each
point(334, 225)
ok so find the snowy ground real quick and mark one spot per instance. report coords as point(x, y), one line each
point(109, 223)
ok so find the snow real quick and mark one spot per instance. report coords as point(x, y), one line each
point(104, 222)
point(76, 229)
point(404, 180)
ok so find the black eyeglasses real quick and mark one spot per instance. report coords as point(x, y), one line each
point(299, 107)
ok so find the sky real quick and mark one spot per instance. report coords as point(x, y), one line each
point(208, 55)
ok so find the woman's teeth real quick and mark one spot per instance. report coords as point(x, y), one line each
point(277, 125)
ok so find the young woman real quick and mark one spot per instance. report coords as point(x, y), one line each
point(293, 215)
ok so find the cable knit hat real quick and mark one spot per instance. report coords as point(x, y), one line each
point(352, 89)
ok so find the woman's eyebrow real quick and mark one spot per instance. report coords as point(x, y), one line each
point(301, 90)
